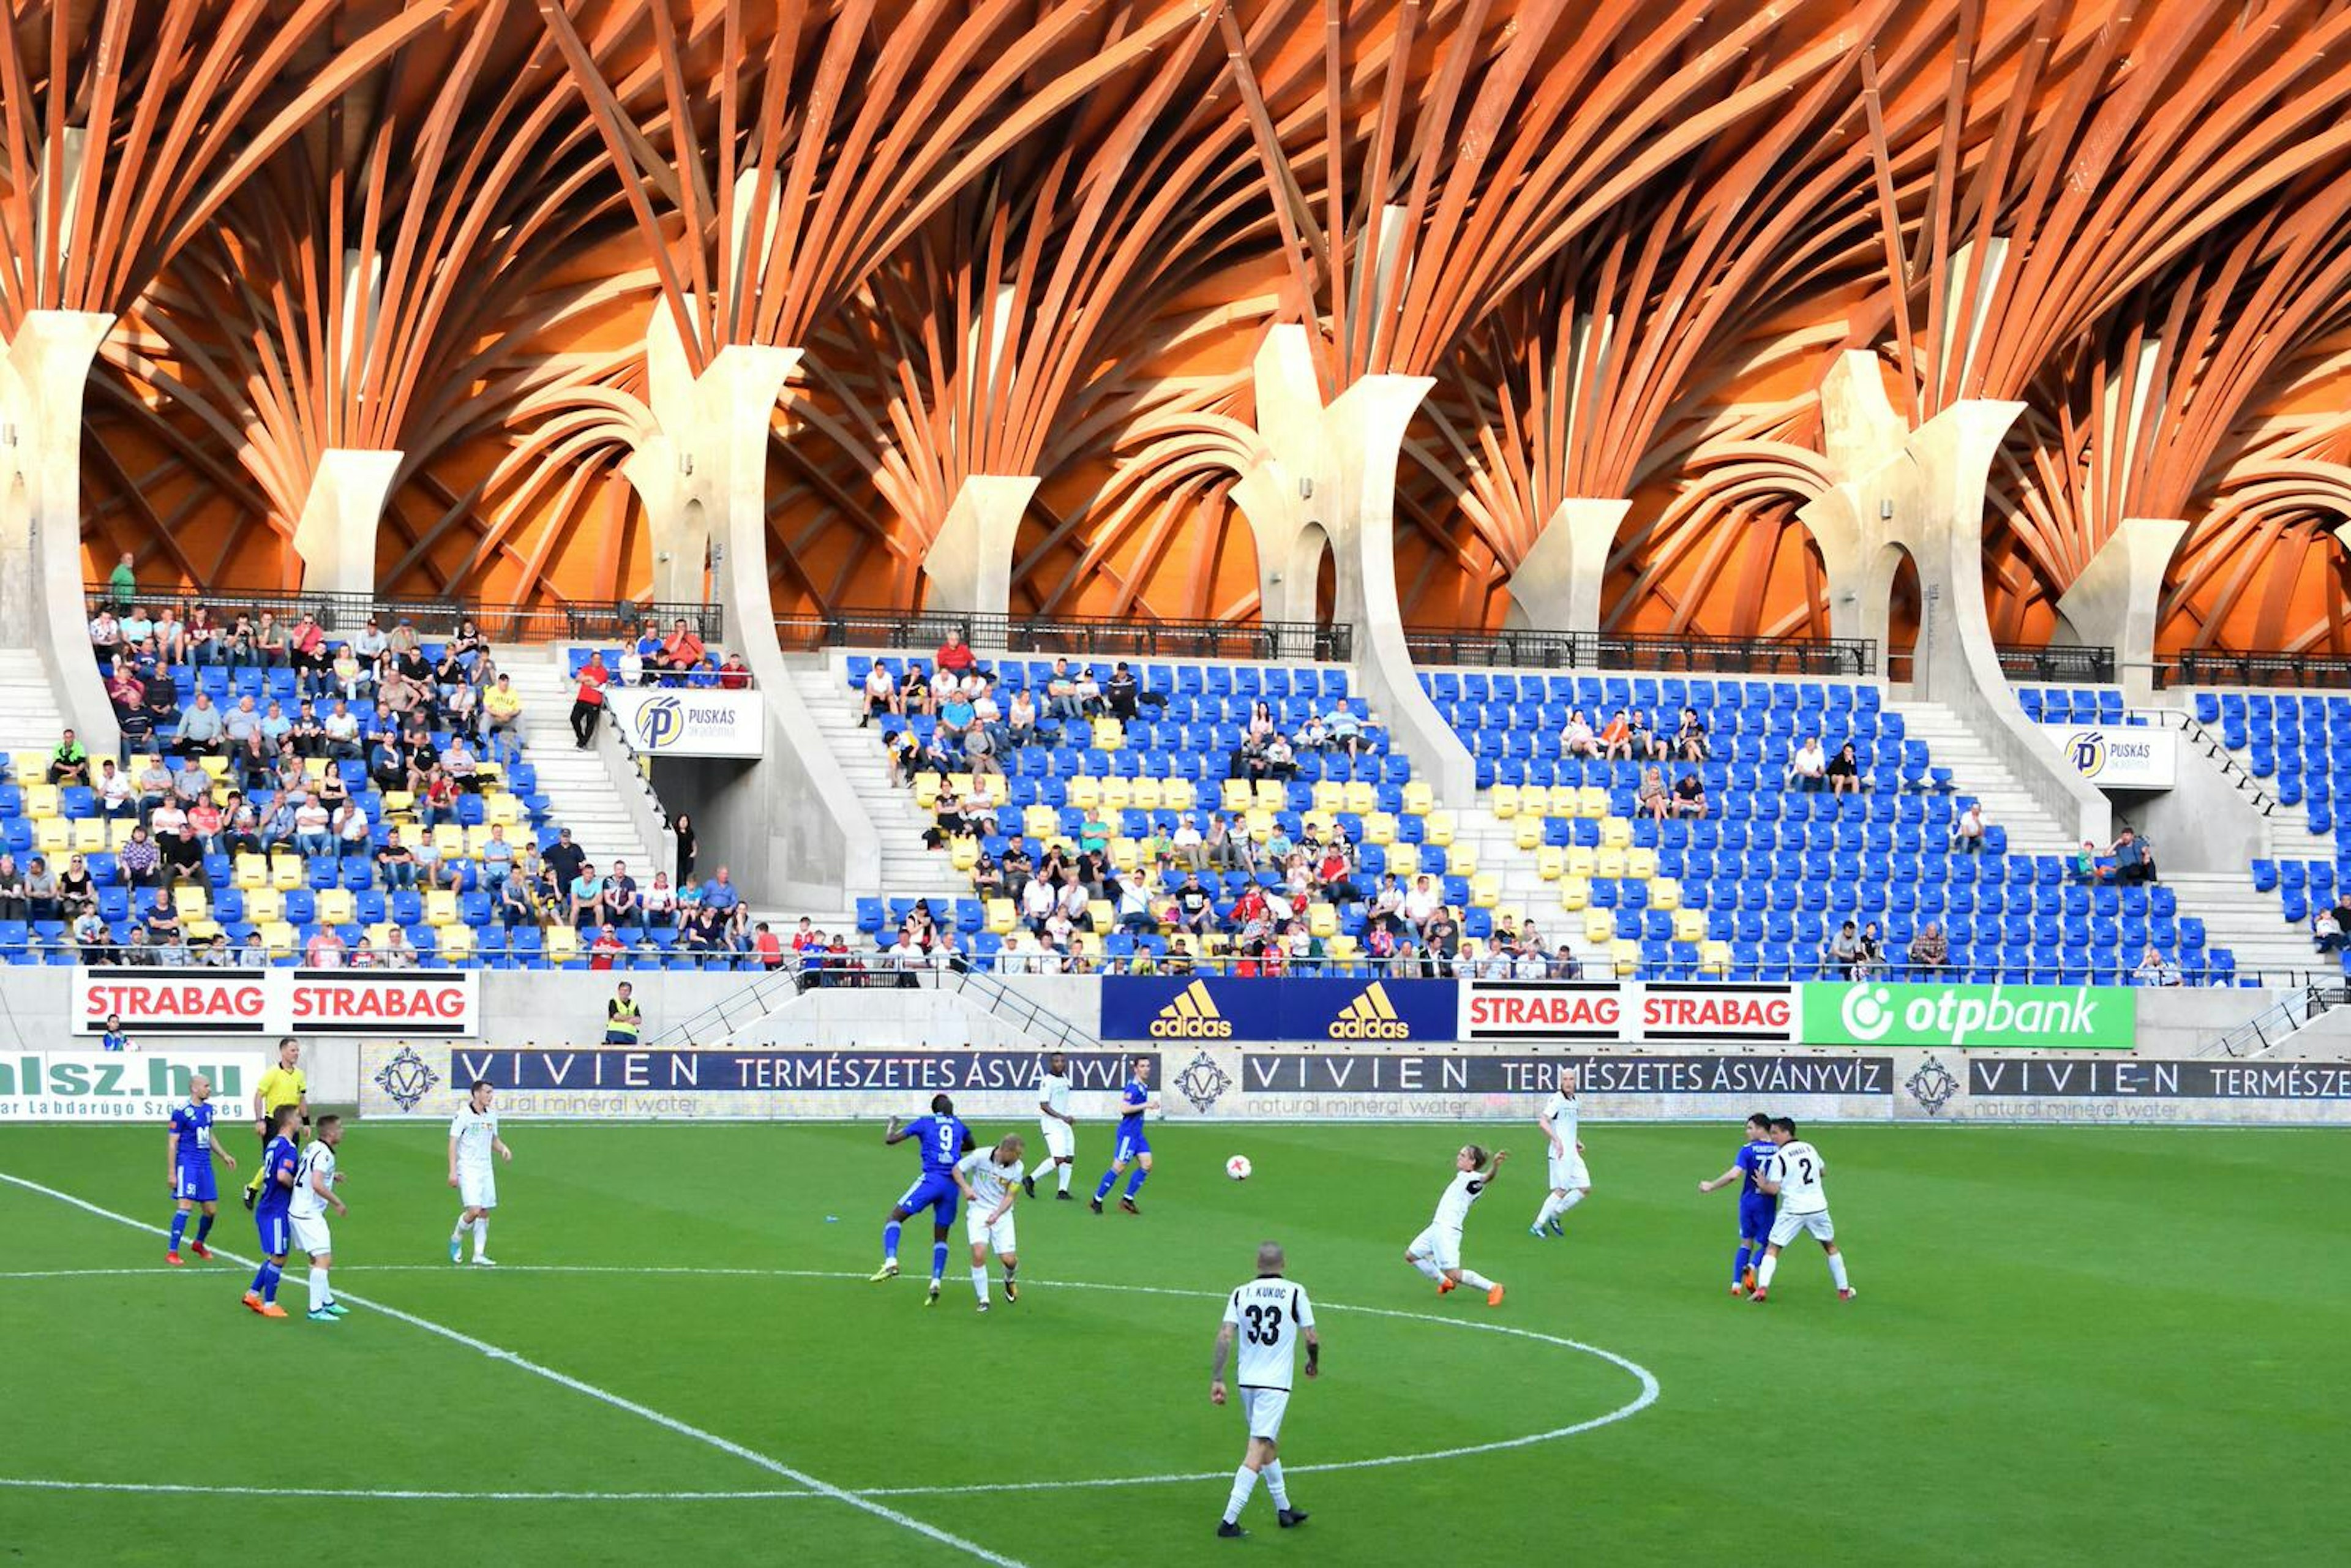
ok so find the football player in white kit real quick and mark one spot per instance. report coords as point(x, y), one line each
point(991, 1179)
point(1792, 1174)
point(314, 1193)
point(1269, 1315)
point(473, 1139)
point(1053, 1121)
point(1437, 1252)
point(1571, 1183)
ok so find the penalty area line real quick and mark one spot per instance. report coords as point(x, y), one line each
point(396, 1494)
point(587, 1390)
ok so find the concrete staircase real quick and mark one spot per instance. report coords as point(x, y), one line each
point(29, 718)
point(2248, 923)
point(579, 789)
point(1976, 771)
point(908, 869)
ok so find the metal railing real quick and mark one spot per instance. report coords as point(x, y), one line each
point(2056, 664)
point(2274, 1026)
point(1105, 635)
point(1842, 656)
point(343, 614)
point(2212, 667)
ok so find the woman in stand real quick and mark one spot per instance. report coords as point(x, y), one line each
point(682, 826)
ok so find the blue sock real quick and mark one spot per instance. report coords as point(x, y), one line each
point(1109, 1177)
point(204, 1225)
point(270, 1274)
point(260, 1276)
point(1739, 1264)
point(179, 1227)
point(938, 1259)
point(1134, 1182)
point(890, 1240)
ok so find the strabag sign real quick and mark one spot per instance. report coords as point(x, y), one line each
point(1986, 1017)
point(119, 1086)
point(1604, 1012)
point(411, 1003)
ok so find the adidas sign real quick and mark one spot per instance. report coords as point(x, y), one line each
point(1370, 1017)
point(1191, 1015)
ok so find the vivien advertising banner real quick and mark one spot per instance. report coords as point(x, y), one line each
point(411, 1003)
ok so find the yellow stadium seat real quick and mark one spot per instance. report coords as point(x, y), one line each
point(1527, 833)
point(1147, 794)
point(504, 809)
point(1626, 954)
point(378, 935)
point(53, 838)
point(1575, 892)
point(1461, 859)
point(1592, 803)
point(1001, 915)
point(1039, 822)
point(959, 784)
point(1342, 949)
point(441, 906)
point(1551, 863)
point(1609, 862)
point(562, 945)
point(963, 853)
point(1714, 957)
point(1689, 925)
point(285, 871)
point(1261, 823)
point(1322, 920)
point(1085, 792)
point(277, 936)
point(1504, 801)
point(32, 765)
point(477, 838)
point(264, 905)
point(1361, 797)
point(1379, 828)
point(1616, 832)
point(449, 838)
point(1563, 800)
point(1117, 794)
point(1583, 861)
point(201, 931)
point(994, 789)
point(251, 872)
point(489, 776)
point(1640, 862)
point(1599, 925)
point(1404, 859)
point(88, 835)
point(398, 802)
point(1178, 795)
point(1235, 795)
point(314, 768)
point(1088, 947)
point(1665, 893)
point(457, 942)
point(1125, 852)
point(1109, 734)
point(192, 900)
point(1330, 797)
point(1418, 797)
point(926, 791)
point(1437, 828)
point(1485, 890)
point(336, 907)
point(215, 765)
point(1100, 913)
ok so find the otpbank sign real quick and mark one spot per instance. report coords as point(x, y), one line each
point(1981, 1018)
point(1210, 1007)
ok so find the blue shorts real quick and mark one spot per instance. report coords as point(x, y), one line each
point(196, 1183)
point(1755, 1217)
point(934, 1189)
point(277, 1234)
point(1131, 1141)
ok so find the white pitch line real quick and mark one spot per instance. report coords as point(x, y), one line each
point(399, 1494)
point(1647, 1397)
point(589, 1390)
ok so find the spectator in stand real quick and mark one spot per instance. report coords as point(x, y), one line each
point(2130, 868)
point(2326, 927)
point(117, 796)
point(1577, 739)
point(2086, 868)
point(622, 906)
point(660, 901)
point(396, 862)
point(734, 675)
point(313, 831)
point(123, 583)
point(881, 694)
point(1966, 834)
point(680, 828)
point(719, 894)
point(1691, 743)
point(105, 635)
point(2154, 969)
point(1930, 949)
point(243, 729)
point(154, 783)
point(1062, 692)
point(1654, 800)
point(1690, 796)
point(396, 952)
point(201, 638)
point(11, 887)
point(1844, 771)
point(339, 730)
point(1844, 951)
point(91, 941)
point(955, 656)
point(124, 689)
point(502, 709)
point(1617, 737)
point(326, 950)
point(588, 700)
point(306, 648)
point(1123, 695)
point(386, 769)
point(682, 650)
point(270, 640)
point(606, 949)
point(41, 891)
point(1808, 768)
point(68, 761)
point(203, 730)
point(1346, 729)
point(518, 905)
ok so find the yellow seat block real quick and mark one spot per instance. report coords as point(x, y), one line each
point(1616, 832)
point(1379, 828)
point(1485, 890)
point(1419, 800)
point(89, 835)
point(1689, 925)
point(215, 765)
point(265, 905)
point(1148, 794)
point(959, 784)
point(1329, 796)
point(1235, 795)
point(1600, 926)
point(1322, 920)
point(118, 832)
point(314, 768)
point(441, 906)
point(336, 907)
point(504, 809)
point(1583, 861)
point(1609, 862)
point(457, 942)
point(53, 838)
point(1001, 915)
point(1665, 893)
point(40, 800)
point(926, 791)
point(963, 853)
point(562, 945)
point(251, 872)
point(1529, 832)
point(1551, 863)
point(1086, 792)
point(1461, 859)
point(994, 789)
point(1117, 794)
point(31, 765)
point(277, 936)
point(1640, 862)
point(1627, 955)
point(191, 901)
point(285, 873)
point(201, 931)
point(1714, 957)
point(398, 802)
point(1179, 795)
point(1575, 892)
point(1109, 735)
point(450, 840)
point(1100, 913)
point(1124, 853)
point(1361, 797)
point(1504, 801)
point(1405, 859)
point(1342, 949)
point(1437, 828)
point(1039, 822)
point(1561, 800)
point(1592, 803)
point(1261, 823)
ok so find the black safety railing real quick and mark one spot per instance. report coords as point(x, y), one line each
point(1107, 636)
point(2058, 663)
point(343, 614)
point(1851, 656)
point(2212, 667)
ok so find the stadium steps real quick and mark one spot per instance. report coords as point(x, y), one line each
point(908, 870)
point(2248, 922)
point(577, 785)
point(30, 716)
point(1976, 771)
point(1521, 886)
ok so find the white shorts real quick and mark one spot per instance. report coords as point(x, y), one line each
point(310, 1235)
point(1060, 1140)
point(1263, 1408)
point(999, 1237)
point(477, 1188)
point(1442, 1248)
point(1567, 1171)
point(1786, 1227)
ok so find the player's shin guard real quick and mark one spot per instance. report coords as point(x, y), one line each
point(1134, 1183)
point(938, 1259)
point(271, 1274)
point(980, 1281)
point(890, 1240)
point(1836, 1271)
point(482, 1236)
point(1739, 1264)
point(1475, 1280)
point(1064, 1170)
point(1244, 1483)
point(1426, 1265)
point(1110, 1178)
point(1764, 1272)
point(320, 1294)
point(203, 1227)
point(179, 1227)
point(1274, 1489)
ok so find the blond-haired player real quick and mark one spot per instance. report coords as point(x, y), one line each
point(1437, 1252)
point(990, 1179)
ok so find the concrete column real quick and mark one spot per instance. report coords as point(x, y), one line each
point(1330, 470)
point(2116, 602)
point(790, 825)
point(43, 372)
point(969, 567)
point(336, 535)
point(1557, 587)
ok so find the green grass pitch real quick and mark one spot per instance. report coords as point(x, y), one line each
point(2082, 1345)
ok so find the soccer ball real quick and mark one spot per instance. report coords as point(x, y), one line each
point(1237, 1167)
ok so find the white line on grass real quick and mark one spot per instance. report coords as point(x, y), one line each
point(402, 1494)
point(1640, 1401)
point(587, 1390)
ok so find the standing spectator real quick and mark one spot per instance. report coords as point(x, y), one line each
point(588, 702)
point(123, 583)
point(623, 1020)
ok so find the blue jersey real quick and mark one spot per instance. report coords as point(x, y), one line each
point(942, 1139)
point(282, 1157)
point(1750, 1159)
point(1756, 1208)
point(194, 1123)
point(1131, 1102)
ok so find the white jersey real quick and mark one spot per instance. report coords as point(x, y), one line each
point(316, 1160)
point(1460, 1194)
point(1268, 1315)
point(990, 1181)
point(1053, 1094)
point(474, 1131)
point(1797, 1168)
point(1563, 1112)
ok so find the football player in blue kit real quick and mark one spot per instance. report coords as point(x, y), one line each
point(189, 1150)
point(944, 1140)
point(1755, 1206)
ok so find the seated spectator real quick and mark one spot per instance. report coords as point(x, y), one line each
point(77, 890)
point(2154, 969)
point(1843, 954)
point(1346, 729)
point(326, 950)
point(1655, 801)
point(2130, 860)
point(11, 887)
point(1872, 953)
point(124, 689)
point(117, 796)
point(2326, 930)
point(1577, 739)
point(1808, 768)
point(339, 733)
point(587, 896)
point(105, 635)
point(1844, 771)
point(140, 860)
point(1691, 743)
point(1690, 796)
point(516, 903)
point(395, 863)
point(206, 823)
point(69, 762)
point(622, 905)
point(395, 951)
point(306, 650)
point(2086, 868)
point(41, 891)
point(313, 829)
point(93, 943)
point(1617, 737)
point(606, 949)
point(1565, 966)
point(154, 785)
point(734, 675)
point(1930, 950)
point(203, 730)
point(386, 771)
point(1966, 834)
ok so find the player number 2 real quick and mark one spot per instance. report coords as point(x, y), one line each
point(1264, 1325)
point(1806, 1180)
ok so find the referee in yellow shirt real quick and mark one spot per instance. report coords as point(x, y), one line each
point(281, 1085)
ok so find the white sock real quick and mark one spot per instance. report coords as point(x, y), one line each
point(980, 1281)
point(1244, 1483)
point(482, 1236)
point(1763, 1270)
point(464, 1225)
point(1274, 1489)
point(1475, 1280)
point(1550, 1207)
point(1062, 1169)
point(1575, 1196)
point(1426, 1265)
point(1836, 1270)
point(319, 1294)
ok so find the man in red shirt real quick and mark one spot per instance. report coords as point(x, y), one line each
point(588, 703)
point(734, 675)
point(769, 947)
point(955, 655)
point(307, 651)
point(607, 946)
point(682, 650)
